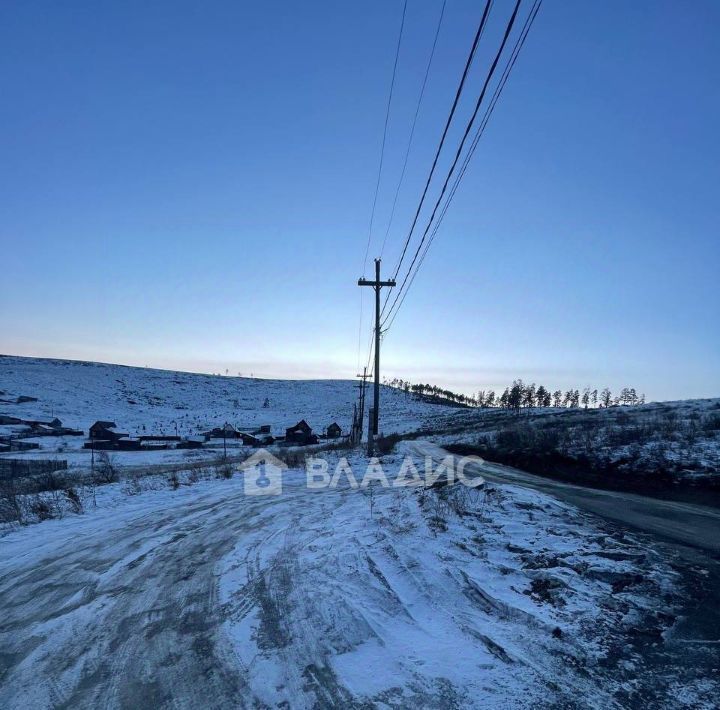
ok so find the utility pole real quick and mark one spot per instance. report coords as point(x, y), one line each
point(364, 378)
point(377, 284)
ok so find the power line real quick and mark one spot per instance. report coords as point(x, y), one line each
point(412, 129)
point(458, 153)
point(382, 149)
point(468, 63)
point(481, 129)
point(479, 132)
point(382, 154)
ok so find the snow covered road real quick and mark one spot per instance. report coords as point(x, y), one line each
point(205, 597)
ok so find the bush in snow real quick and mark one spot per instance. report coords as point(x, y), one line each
point(105, 471)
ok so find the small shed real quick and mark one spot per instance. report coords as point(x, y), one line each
point(128, 443)
point(334, 431)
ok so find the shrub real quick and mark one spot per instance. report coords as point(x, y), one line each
point(10, 509)
point(105, 471)
point(40, 508)
point(73, 498)
point(386, 444)
point(224, 471)
point(173, 480)
point(711, 423)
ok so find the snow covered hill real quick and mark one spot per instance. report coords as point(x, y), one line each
point(144, 401)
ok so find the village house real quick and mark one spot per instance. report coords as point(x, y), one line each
point(300, 434)
point(105, 431)
point(334, 431)
point(227, 431)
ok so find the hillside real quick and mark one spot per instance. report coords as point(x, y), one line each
point(149, 401)
point(656, 444)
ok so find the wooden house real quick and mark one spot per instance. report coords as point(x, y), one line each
point(227, 431)
point(105, 431)
point(333, 431)
point(300, 434)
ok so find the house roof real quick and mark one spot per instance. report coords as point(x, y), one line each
point(302, 424)
point(104, 424)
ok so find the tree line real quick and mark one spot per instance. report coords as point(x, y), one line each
point(520, 394)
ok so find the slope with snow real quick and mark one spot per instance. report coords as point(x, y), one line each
point(147, 401)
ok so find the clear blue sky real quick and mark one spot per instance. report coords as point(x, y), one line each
point(189, 185)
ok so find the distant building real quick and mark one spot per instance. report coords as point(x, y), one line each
point(227, 431)
point(334, 431)
point(256, 439)
point(5, 419)
point(249, 439)
point(128, 443)
point(300, 434)
point(103, 430)
point(192, 442)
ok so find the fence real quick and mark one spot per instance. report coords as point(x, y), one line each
point(22, 468)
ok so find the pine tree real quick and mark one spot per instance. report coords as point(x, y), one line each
point(606, 398)
point(586, 397)
point(529, 396)
point(516, 395)
point(540, 395)
point(505, 399)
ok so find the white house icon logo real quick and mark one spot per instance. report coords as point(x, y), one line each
point(262, 474)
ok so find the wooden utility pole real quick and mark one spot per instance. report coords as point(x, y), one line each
point(377, 284)
point(364, 378)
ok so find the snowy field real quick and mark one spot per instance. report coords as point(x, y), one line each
point(145, 402)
